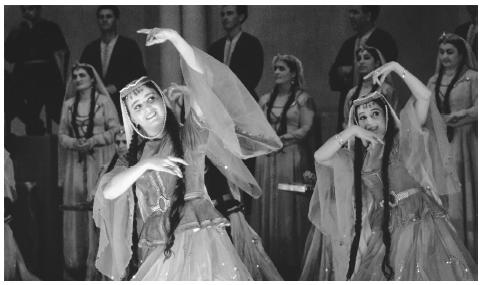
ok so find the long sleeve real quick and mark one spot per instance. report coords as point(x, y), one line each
point(111, 122)
point(471, 112)
point(307, 111)
point(344, 58)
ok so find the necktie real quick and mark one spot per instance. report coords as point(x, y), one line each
point(105, 59)
point(227, 56)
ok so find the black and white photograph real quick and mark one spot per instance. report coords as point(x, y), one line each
point(240, 142)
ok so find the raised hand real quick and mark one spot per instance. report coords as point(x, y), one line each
point(164, 164)
point(379, 74)
point(368, 138)
point(157, 35)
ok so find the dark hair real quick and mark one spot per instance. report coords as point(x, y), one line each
point(294, 87)
point(472, 10)
point(37, 7)
point(386, 268)
point(372, 51)
point(444, 106)
point(90, 126)
point(373, 9)
point(175, 211)
point(115, 10)
point(242, 10)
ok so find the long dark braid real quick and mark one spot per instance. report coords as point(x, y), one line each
point(135, 148)
point(387, 269)
point(444, 107)
point(358, 161)
point(176, 209)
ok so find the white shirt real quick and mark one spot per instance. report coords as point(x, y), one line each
point(230, 45)
point(106, 52)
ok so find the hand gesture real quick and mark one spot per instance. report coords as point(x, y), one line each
point(368, 138)
point(164, 164)
point(455, 116)
point(379, 74)
point(176, 92)
point(157, 35)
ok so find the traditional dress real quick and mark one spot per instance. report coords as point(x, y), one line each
point(79, 173)
point(231, 128)
point(424, 244)
point(280, 217)
point(464, 149)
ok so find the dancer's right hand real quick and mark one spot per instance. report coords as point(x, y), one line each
point(164, 164)
point(366, 136)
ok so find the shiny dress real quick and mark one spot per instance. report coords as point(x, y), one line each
point(424, 243)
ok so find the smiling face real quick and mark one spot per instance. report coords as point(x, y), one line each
point(282, 73)
point(82, 79)
point(448, 55)
point(366, 62)
point(147, 109)
point(372, 117)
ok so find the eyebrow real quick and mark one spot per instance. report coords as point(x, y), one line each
point(135, 101)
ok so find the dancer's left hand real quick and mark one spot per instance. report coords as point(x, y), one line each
point(379, 74)
point(157, 35)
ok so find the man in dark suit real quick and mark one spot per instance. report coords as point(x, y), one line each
point(343, 74)
point(469, 30)
point(38, 54)
point(241, 51)
point(117, 59)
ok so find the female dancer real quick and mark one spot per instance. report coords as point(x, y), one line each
point(86, 133)
point(395, 171)
point(455, 84)
point(183, 235)
point(280, 217)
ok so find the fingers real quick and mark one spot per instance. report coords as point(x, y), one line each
point(178, 160)
point(369, 75)
point(144, 31)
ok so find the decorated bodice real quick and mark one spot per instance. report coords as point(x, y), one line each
point(82, 121)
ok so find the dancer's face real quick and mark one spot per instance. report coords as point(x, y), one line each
point(448, 55)
point(366, 62)
point(82, 79)
point(372, 118)
point(282, 73)
point(146, 109)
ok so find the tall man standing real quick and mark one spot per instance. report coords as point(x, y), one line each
point(116, 58)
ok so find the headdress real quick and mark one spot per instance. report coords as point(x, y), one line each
point(300, 70)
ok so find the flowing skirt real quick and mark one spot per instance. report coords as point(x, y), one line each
point(205, 254)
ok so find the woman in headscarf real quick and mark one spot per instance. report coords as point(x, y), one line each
point(183, 236)
point(86, 135)
point(280, 216)
point(455, 90)
point(367, 60)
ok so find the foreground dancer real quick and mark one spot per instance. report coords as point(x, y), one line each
point(455, 90)
point(183, 234)
point(395, 171)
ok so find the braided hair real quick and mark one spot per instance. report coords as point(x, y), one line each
point(90, 126)
point(444, 106)
point(176, 209)
point(389, 136)
point(294, 88)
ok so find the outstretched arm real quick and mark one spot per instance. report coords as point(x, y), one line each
point(420, 92)
point(159, 35)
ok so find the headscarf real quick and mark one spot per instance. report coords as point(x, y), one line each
point(470, 60)
point(299, 67)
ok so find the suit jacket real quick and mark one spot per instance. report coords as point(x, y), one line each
point(125, 65)
point(379, 39)
point(462, 31)
point(246, 60)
